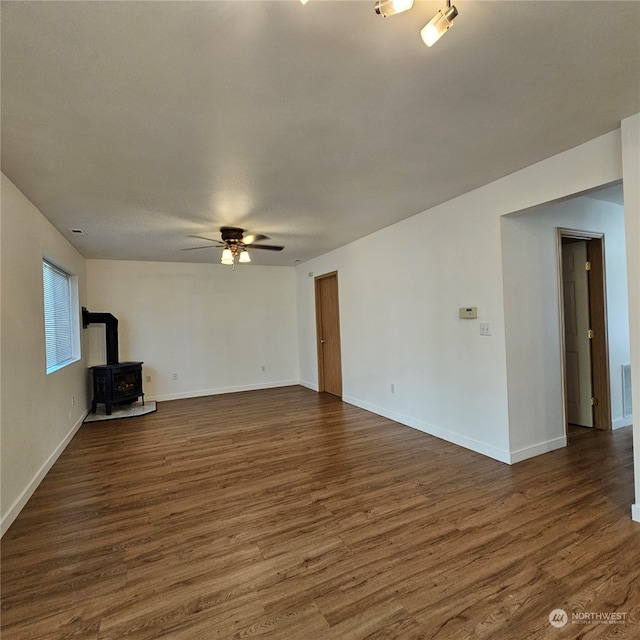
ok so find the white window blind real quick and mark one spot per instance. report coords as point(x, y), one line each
point(58, 325)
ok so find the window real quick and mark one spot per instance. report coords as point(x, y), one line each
point(61, 325)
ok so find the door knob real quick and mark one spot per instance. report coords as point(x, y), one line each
point(322, 341)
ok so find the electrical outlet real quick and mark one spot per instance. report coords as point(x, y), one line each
point(148, 378)
point(73, 401)
point(485, 329)
point(175, 376)
point(263, 368)
point(393, 388)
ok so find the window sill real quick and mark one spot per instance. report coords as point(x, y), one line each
point(62, 365)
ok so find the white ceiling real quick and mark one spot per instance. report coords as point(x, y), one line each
point(143, 122)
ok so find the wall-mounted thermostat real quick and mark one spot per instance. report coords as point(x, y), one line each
point(468, 313)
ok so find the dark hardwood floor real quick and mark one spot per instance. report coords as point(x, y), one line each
point(287, 514)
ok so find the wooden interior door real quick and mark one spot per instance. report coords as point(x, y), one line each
point(328, 334)
point(597, 313)
point(599, 344)
point(577, 345)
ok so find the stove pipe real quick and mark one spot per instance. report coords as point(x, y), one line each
point(111, 325)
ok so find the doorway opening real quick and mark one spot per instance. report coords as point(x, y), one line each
point(585, 353)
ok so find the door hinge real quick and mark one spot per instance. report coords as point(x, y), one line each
point(590, 334)
point(587, 266)
point(594, 402)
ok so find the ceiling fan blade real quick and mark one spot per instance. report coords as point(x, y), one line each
point(254, 237)
point(268, 247)
point(212, 246)
point(207, 239)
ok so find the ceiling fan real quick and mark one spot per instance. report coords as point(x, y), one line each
point(234, 244)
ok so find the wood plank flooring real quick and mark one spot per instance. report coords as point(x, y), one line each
point(289, 515)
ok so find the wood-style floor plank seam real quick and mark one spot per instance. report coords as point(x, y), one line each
point(288, 514)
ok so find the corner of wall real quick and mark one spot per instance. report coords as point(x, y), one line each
point(12, 512)
point(34, 434)
point(631, 188)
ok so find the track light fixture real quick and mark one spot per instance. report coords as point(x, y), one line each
point(433, 30)
point(386, 8)
point(439, 24)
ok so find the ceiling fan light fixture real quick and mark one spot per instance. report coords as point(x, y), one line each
point(386, 8)
point(234, 245)
point(227, 257)
point(438, 25)
point(304, 1)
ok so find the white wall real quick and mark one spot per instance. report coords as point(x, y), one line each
point(399, 325)
point(213, 326)
point(38, 416)
point(399, 318)
point(631, 184)
point(532, 312)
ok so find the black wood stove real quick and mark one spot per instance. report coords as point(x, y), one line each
point(115, 382)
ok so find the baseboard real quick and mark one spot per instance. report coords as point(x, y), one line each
point(308, 385)
point(537, 449)
point(635, 512)
point(622, 422)
point(23, 498)
point(220, 390)
point(449, 436)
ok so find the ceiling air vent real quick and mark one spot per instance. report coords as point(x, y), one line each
point(77, 232)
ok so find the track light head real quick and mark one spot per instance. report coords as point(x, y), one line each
point(386, 8)
point(439, 24)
